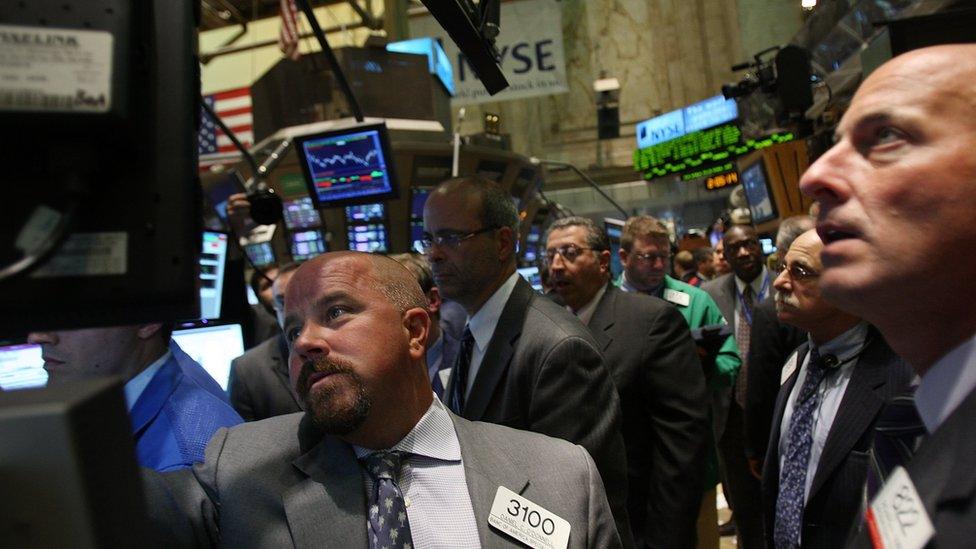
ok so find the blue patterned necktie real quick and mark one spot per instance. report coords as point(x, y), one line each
point(793, 477)
point(461, 367)
point(388, 524)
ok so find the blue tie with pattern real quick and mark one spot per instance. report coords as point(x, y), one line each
point(793, 477)
point(388, 524)
point(461, 367)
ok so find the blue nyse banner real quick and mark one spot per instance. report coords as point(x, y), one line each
point(704, 114)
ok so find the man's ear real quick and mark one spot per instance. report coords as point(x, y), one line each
point(434, 300)
point(506, 241)
point(622, 253)
point(146, 331)
point(416, 322)
point(604, 258)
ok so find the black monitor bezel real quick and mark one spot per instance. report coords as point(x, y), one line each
point(386, 149)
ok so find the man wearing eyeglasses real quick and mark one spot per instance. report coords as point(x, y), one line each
point(524, 361)
point(833, 390)
point(645, 253)
point(652, 358)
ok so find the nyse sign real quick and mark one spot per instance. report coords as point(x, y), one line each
point(530, 46)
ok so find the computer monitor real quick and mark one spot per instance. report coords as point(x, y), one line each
point(768, 245)
point(300, 213)
point(213, 259)
point(418, 197)
point(531, 275)
point(21, 367)
point(531, 253)
point(214, 347)
point(348, 166)
point(614, 228)
point(307, 244)
point(758, 193)
point(219, 190)
point(260, 253)
point(365, 213)
point(368, 238)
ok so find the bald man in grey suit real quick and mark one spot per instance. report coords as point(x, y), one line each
point(357, 326)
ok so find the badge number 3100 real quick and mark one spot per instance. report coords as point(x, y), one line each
point(527, 522)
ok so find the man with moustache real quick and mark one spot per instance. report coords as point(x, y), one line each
point(737, 295)
point(649, 350)
point(376, 460)
point(525, 362)
point(834, 389)
point(173, 403)
point(897, 194)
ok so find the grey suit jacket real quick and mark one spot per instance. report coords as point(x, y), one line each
point(280, 483)
point(835, 496)
point(259, 386)
point(652, 357)
point(543, 372)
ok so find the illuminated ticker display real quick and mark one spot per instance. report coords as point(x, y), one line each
point(697, 151)
point(721, 180)
point(709, 171)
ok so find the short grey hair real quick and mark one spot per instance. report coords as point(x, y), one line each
point(790, 228)
point(596, 237)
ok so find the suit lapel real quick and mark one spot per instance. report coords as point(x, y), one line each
point(862, 400)
point(499, 351)
point(279, 365)
point(485, 469)
point(602, 320)
point(328, 509)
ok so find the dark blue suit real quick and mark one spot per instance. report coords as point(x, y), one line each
point(176, 415)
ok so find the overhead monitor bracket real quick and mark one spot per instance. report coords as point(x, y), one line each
point(474, 30)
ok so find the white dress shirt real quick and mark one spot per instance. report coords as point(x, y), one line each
point(947, 383)
point(586, 311)
point(134, 387)
point(433, 484)
point(847, 348)
point(483, 324)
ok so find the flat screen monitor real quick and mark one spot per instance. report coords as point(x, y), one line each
point(531, 275)
point(213, 347)
point(21, 367)
point(614, 228)
point(367, 238)
point(768, 246)
point(213, 259)
point(260, 253)
point(758, 194)
point(532, 244)
point(365, 213)
point(307, 244)
point(300, 213)
point(418, 197)
point(220, 190)
point(348, 166)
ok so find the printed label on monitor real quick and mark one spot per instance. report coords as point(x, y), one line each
point(88, 254)
point(55, 70)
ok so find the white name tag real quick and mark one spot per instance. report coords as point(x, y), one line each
point(527, 522)
point(897, 518)
point(788, 368)
point(676, 297)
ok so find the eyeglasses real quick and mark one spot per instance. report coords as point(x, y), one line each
point(449, 239)
point(733, 247)
point(797, 271)
point(651, 257)
point(569, 252)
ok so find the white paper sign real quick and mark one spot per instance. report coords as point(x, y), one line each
point(531, 46)
point(528, 522)
point(897, 515)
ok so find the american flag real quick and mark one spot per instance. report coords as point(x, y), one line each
point(234, 108)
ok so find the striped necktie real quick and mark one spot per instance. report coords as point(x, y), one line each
point(461, 369)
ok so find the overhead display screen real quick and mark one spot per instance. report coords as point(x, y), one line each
point(348, 166)
point(307, 244)
point(704, 114)
point(699, 150)
point(300, 213)
point(758, 194)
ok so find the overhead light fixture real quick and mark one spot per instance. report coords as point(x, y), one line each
point(808, 4)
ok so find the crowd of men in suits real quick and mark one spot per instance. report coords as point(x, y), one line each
point(442, 402)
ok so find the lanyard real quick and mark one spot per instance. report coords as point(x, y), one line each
point(746, 310)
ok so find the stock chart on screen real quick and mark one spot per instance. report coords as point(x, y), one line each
point(346, 166)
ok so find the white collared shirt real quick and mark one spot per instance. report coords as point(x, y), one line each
point(483, 324)
point(433, 484)
point(135, 386)
point(831, 390)
point(947, 383)
point(585, 312)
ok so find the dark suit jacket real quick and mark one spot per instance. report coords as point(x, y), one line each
point(771, 342)
point(542, 372)
point(943, 473)
point(280, 483)
point(648, 347)
point(259, 386)
point(834, 502)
